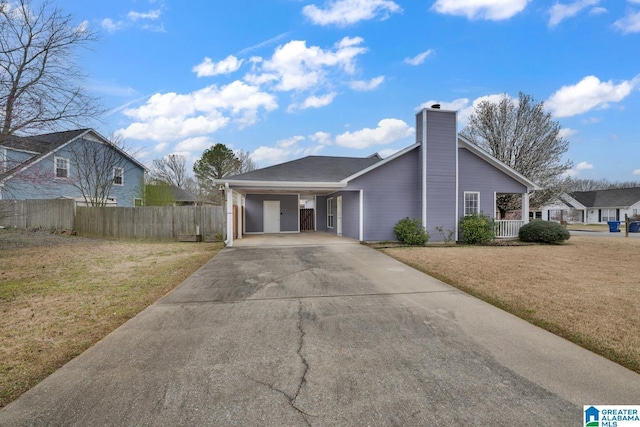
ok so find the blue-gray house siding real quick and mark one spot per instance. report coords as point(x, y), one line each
point(254, 212)
point(476, 175)
point(39, 181)
point(390, 193)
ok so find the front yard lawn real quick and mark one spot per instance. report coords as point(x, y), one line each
point(60, 295)
point(586, 290)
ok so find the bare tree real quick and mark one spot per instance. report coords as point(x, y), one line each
point(599, 184)
point(97, 168)
point(246, 163)
point(171, 169)
point(40, 82)
point(522, 135)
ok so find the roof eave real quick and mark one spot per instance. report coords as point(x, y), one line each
point(302, 185)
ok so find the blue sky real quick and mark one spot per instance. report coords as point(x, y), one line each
point(287, 78)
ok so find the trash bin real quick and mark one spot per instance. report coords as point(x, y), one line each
point(614, 226)
point(634, 227)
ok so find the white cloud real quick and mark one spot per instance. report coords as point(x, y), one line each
point(322, 138)
point(387, 131)
point(140, 19)
point(569, 173)
point(294, 66)
point(313, 102)
point(584, 166)
point(198, 143)
point(566, 132)
point(462, 106)
point(629, 24)
point(110, 25)
point(173, 116)
point(493, 10)
point(419, 58)
point(387, 152)
point(363, 85)
point(151, 15)
point(161, 146)
point(636, 172)
point(347, 12)
point(208, 68)
point(559, 12)
point(270, 155)
point(597, 10)
point(290, 142)
point(284, 149)
point(589, 93)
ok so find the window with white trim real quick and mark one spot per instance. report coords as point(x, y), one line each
point(118, 176)
point(61, 166)
point(330, 213)
point(471, 203)
point(608, 215)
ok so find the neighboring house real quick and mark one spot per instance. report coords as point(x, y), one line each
point(439, 179)
point(170, 195)
point(55, 165)
point(594, 207)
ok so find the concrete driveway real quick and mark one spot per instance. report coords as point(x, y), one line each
point(331, 334)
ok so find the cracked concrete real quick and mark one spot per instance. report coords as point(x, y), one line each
point(323, 335)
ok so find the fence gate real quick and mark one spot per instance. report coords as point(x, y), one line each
point(306, 220)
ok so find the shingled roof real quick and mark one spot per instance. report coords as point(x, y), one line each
point(310, 169)
point(42, 145)
point(616, 197)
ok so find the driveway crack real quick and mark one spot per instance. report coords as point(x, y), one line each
point(303, 378)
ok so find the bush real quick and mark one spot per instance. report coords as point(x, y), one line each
point(543, 232)
point(411, 232)
point(476, 229)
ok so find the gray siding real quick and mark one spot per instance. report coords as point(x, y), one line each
point(321, 213)
point(390, 194)
point(350, 214)
point(478, 175)
point(441, 145)
point(289, 212)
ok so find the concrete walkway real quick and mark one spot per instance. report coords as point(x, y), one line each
point(331, 334)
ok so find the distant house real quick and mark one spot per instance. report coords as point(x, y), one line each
point(594, 207)
point(57, 165)
point(170, 195)
point(439, 179)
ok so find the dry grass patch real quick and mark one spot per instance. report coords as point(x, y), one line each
point(586, 290)
point(60, 295)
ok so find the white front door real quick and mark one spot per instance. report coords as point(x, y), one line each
point(339, 215)
point(271, 216)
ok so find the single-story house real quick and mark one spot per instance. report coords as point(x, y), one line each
point(594, 207)
point(439, 179)
point(77, 164)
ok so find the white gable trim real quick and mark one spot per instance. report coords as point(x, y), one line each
point(465, 143)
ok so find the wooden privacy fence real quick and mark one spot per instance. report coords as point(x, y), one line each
point(150, 223)
point(46, 214)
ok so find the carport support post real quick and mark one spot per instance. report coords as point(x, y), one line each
point(229, 204)
point(525, 208)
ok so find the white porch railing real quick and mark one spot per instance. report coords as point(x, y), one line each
point(507, 228)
